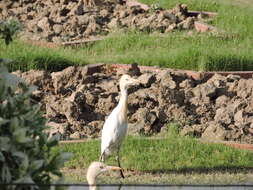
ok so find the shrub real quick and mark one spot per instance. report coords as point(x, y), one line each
point(8, 29)
point(26, 152)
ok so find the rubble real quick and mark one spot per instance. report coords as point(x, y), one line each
point(75, 20)
point(76, 102)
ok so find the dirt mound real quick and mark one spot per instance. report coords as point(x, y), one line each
point(61, 20)
point(77, 100)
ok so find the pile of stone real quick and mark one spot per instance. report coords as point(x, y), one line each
point(68, 20)
point(77, 100)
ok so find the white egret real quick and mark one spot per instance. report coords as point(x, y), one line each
point(94, 170)
point(115, 127)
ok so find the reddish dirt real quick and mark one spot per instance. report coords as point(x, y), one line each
point(240, 146)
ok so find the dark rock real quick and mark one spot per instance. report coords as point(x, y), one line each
point(147, 79)
point(134, 70)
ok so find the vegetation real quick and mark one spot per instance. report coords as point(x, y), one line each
point(168, 154)
point(26, 154)
point(8, 29)
point(228, 50)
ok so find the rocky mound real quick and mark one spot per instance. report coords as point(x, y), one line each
point(67, 20)
point(78, 99)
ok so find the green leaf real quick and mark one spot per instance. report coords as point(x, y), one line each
point(26, 152)
point(23, 159)
point(2, 158)
point(14, 123)
point(5, 143)
point(5, 174)
point(25, 179)
point(3, 121)
point(10, 80)
point(37, 164)
point(19, 155)
point(53, 140)
point(20, 136)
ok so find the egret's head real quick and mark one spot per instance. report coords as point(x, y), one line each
point(97, 168)
point(126, 81)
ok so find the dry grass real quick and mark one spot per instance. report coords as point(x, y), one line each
point(78, 175)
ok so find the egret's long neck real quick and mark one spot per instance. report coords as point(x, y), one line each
point(123, 104)
point(93, 187)
point(92, 183)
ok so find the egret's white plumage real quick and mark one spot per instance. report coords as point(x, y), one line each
point(115, 127)
point(94, 170)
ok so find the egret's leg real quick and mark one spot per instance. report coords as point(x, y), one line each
point(118, 159)
point(102, 157)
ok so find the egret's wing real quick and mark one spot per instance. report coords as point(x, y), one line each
point(113, 132)
point(109, 131)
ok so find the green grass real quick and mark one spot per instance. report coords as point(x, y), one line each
point(172, 153)
point(231, 50)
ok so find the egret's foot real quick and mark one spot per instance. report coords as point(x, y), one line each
point(102, 158)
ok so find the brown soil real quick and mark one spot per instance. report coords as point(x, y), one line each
point(77, 100)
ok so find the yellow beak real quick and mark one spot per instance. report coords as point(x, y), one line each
point(113, 168)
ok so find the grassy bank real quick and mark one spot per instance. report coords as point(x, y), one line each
point(231, 50)
point(172, 155)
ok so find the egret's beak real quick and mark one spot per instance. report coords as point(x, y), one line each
point(114, 168)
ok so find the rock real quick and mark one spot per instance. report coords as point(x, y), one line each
point(80, 8)
point(97, 124)
point(113, 24)
point(104, 13)
point(97, 17)
point(170, 16)
point(64, 11)
point(202, 27)
point(188, 23)
point(75, 136)
point(194, 130)
point(134, 70)
point(106, 105)
point(135, 128)
point(92, 28)
point(244, 88)
point(32, 26)
point(166, 79)
point(222, 101)
point(45, 24)
point(223, 116)
point(186, 84)
point(239, 118)
point(57, 28)
point(41, 79)
point(83, 20)
point(67, 79)
point(57, 129)
point(147, 79)
point(214, 132)
point(77, 99)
